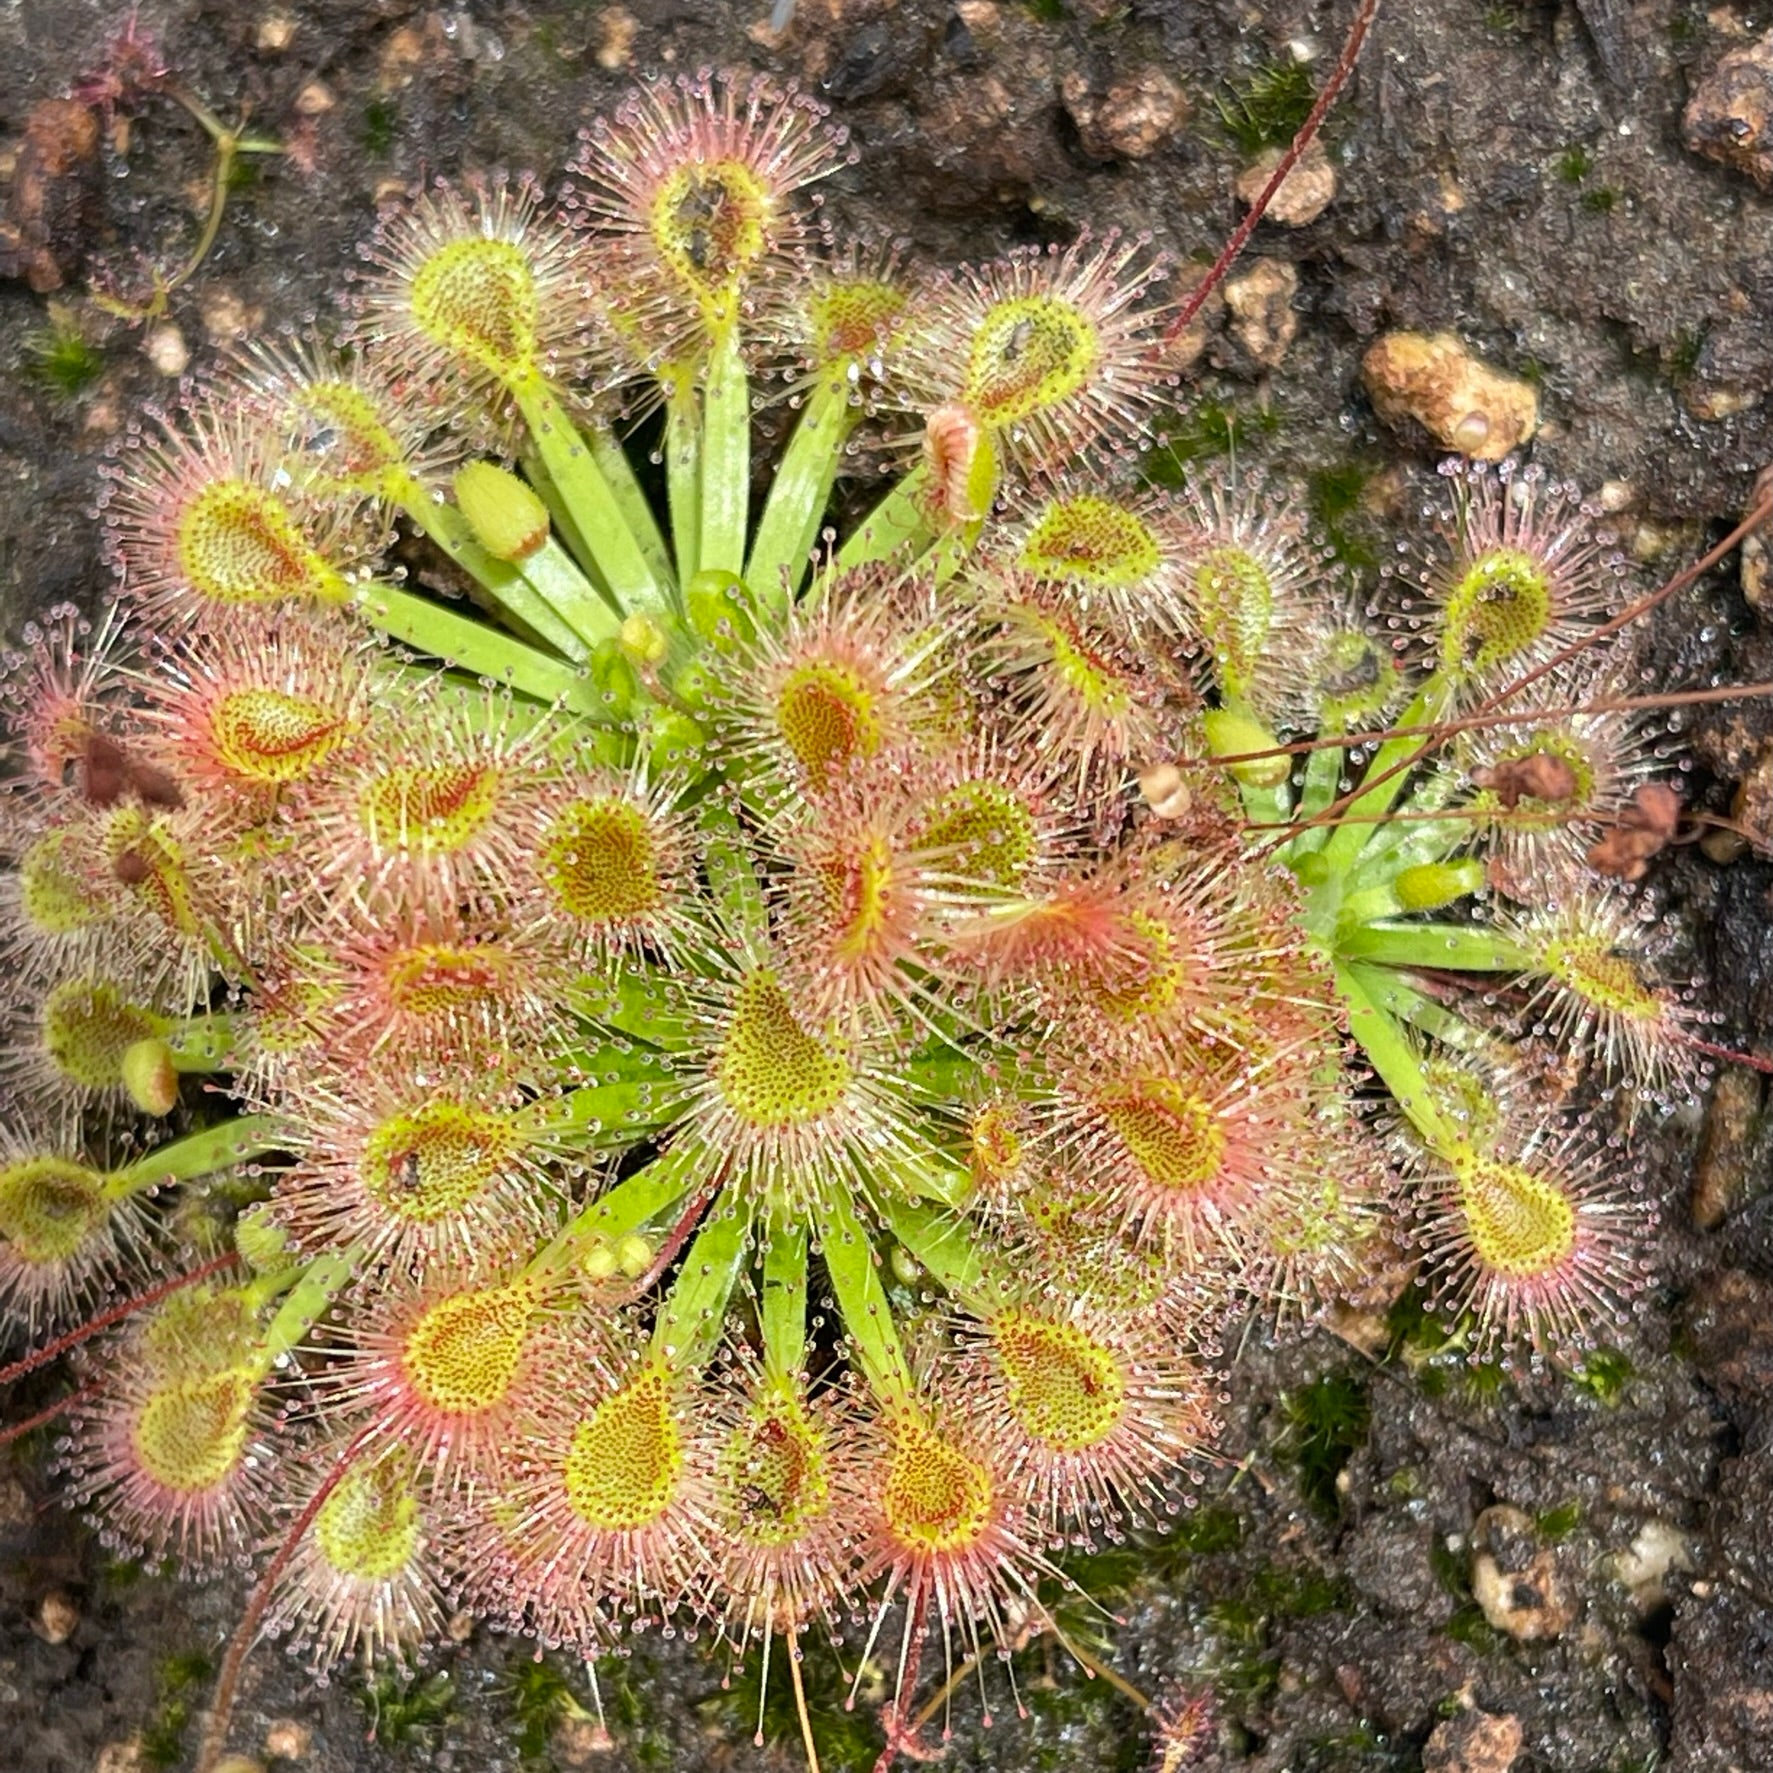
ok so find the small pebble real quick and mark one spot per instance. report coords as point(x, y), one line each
point(1721, 1178)
point(1192, 339)
point(579, 1742)
point(226, 317)
point(1709, 404)
point(15, 1504)
point(1129, 120)
point(401, 55)
point(126, 1756)
point(287, 1739)
point(57, 1617)
point(1752, 804)
point(1457, 398)
point(275, 33)
point(616, 28)
point(1757, 576)
point(1473, 1742)
point(1260, 303)
point(1729, 118)
point(166, 349)
point(1305, 193)
point(1660, 1546)
point(315, 99)
point(48, 214)
point(1515, 1579)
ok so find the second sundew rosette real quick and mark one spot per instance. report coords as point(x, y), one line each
point(770, 1063)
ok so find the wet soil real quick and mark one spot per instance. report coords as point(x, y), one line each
point(1514, 172)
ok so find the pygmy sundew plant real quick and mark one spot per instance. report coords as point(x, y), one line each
point(762, 1061)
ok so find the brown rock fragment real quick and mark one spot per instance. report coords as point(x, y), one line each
point(1721, 1179)
point(1260, 304)
point(1730, 1326)
point(1432, 380)
point(1729, 118)
point(1757, 555)
point(57, 1617)
point(1188, 344)
point(1304, 194)
point(580, 1742)
point(52, 206)
point(1516, 1580)
point(288, 1739)
point(617, 28)
point(1473, 1742)
point(1133, 117)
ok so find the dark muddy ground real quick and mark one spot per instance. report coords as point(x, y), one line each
point(1515, 172)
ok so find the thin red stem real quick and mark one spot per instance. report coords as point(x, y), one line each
point(215, 1729)
point(901, 1740)
point(1631, 613)
point(39, 1357)
point(15, 1430)
point(1444, 729)
point(673, 1245)
point(1730, 1055)
point(1240, 235)
point(1758, 514)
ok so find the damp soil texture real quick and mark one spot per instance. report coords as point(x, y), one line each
point(1400, 1561)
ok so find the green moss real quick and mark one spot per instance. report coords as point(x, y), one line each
point(1682, 357)
point(1209, 430)
point(1146, 1559)
point(1358, 1749)
point(1299, 1593)
point(541, 1697)
point(380, 118)
point(1575, 164)
point(630, 1687)
point(1438, 1354)
point(1325, 1422)
point(1560, 1522)
point(61, 358)
point(1469, 1627)
point(1267, 107)
point(1244, 1669)
point(1068, 1712)
point(180, 1683)
point(849, 1741)
point(408, 1714)
point(1336, 495)
point(1604, 1375)
point(1204, 1532)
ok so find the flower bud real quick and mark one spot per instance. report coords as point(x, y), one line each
point(150, 1076)
point(1434, 884)
point(507, 518)
point(1230, 734)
